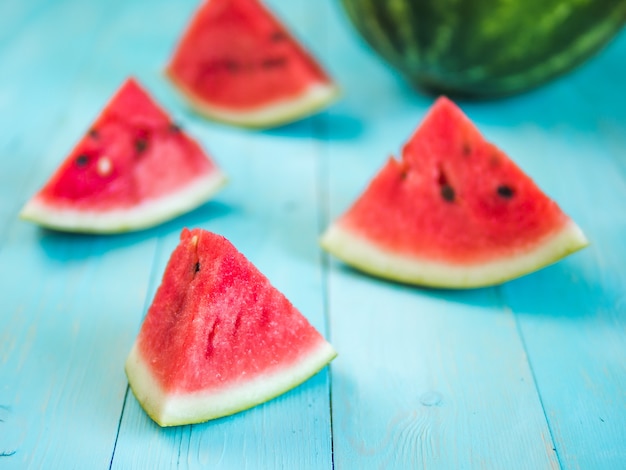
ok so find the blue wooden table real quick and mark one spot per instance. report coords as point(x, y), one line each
point(530, 374)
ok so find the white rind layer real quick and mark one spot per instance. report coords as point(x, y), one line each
point(188, 408)
point(313, 99)
point(144, 215)
point(368, 257)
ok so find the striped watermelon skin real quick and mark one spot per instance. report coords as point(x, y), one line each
point(485, 48)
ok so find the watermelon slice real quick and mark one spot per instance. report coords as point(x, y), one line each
point(455, 212)
point(238, 64)
point(218, 337)
point(133, 169)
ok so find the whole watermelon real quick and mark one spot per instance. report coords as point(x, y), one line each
point(485, 48)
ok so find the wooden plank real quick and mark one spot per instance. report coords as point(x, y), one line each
point(268, 212)
point(431, 380)
point(67, 339)
point(427, 378)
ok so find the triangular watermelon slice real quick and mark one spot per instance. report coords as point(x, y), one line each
point(133, 169)
point(237, 63)
point(218, 337)
point(455, 212)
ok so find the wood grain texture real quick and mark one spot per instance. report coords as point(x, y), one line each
point(528, 375)
point(428, 379)
point(572, 315)
point(272, 220)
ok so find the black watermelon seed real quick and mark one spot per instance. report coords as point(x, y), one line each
point(447, 192)
point(505, 191)
point(174, 127)
point(467, 149)
point(197, 268)
point(93, 133)
point(141, 145)
point(82, 160)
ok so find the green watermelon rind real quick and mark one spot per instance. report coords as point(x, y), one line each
point(485, 49)
point(313, 99)
point(147, 214)
point(198, 407)
point(366, 256)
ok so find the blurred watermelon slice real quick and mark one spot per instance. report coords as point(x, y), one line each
point(237, 63)
point(133, 169)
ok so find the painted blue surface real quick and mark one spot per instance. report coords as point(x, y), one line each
point(529, 375)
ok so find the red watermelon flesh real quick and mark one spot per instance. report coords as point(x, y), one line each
point(456, 205)
point(236, 62)
point(218, 337)
point(133, 168)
